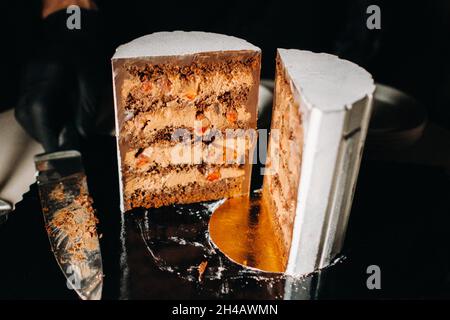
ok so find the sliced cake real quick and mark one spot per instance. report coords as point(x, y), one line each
point(321, 109)
point(185, 106)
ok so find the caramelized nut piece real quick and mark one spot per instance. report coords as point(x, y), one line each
point(190, 91)
point(232, 116)
point(146, 86)
point(191, 95)
point(213, 176)
point(142, 160)
point(204, 129)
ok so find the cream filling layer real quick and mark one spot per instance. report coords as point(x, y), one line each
point(190, 90)
point(219, 152)
point(158, 182)
point(215, 116)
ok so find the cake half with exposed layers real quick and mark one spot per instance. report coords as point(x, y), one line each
point(320, 116)
point(185, 106)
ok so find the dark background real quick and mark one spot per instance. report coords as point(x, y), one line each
point(400, 215)
point(410, 52)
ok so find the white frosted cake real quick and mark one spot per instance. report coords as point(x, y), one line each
point(203, 85)
point(322, 106)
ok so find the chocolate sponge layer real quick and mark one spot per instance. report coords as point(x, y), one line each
point(192, 192)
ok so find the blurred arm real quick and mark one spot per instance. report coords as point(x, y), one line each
point(51, 6)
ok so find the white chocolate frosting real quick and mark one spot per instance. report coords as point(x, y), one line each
point(325, 81)
point(177, 43)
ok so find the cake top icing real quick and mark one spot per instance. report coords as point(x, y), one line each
point(325, 81)
point(178, 43)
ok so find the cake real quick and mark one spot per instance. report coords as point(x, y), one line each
point(185, 107)
point(320, 116)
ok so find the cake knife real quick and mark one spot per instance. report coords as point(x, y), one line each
point(70, 221)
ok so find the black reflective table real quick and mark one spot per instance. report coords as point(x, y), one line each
point(400, 222)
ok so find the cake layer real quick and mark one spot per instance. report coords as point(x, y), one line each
point(321, 111)
point(180, 176)
point(268, 204)
point(187, 193)
point(215, 114)
point(218, 151)
point(144, 92)
point(284, 159)
point(227, 78)
point(147, 127)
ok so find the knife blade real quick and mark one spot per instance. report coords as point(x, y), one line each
point(70, 221)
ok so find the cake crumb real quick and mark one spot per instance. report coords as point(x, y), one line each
point(201, 269)
point(76, 222)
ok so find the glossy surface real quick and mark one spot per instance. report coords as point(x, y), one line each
point(168, 253)
point(243, 230)
point(401, 226)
